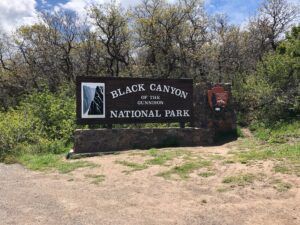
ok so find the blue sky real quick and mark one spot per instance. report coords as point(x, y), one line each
point(237, 10)
point(14, 13)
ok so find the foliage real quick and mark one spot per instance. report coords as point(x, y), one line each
point(17, 127)
point(55, 112)
point(156, 38)
point(42, 123)
point(272, 93)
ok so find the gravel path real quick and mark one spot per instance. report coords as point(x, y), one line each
point(28, 197)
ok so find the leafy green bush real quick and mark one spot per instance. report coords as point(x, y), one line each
point(56, 113)
point(272, 92)
point(17, 127)
point(43, 123)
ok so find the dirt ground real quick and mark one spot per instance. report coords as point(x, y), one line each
point(142, 197)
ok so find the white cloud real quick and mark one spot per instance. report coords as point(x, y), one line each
point(14, 13)
point(79, 6)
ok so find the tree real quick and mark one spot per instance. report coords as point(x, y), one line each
point(272, 92)
point(268, 27)
point(113, 32)
point(170, 36)
point(46, 49)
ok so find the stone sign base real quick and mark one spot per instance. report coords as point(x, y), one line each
point(109, 140)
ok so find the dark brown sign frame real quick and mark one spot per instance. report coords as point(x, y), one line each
point(171, 100)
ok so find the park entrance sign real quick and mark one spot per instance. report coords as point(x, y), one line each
point(107, 100)
point(110, 100)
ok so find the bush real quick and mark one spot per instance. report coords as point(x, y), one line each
point(17, 127)
point(272, 92)
point(42, 123)
point(56, 113)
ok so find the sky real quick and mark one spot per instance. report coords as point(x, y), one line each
point(14, 13)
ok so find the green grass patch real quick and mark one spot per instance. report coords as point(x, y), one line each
point(223, 189)
point(185, 169)
point(287, 155)
point(281, 186)
point(282, 169)
point(240, 180)
point(44, 162)
point(96, 179)
point(134, 166)
point(279, 152)
point(286, 151)
point(160, 157)
point(229, 161)
point(288, 167)
point(279, 133)
point(206, 174)
point(216, 157)
point(239, 132)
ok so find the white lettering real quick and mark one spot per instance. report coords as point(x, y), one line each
point(128, 90)
point(184, 94)
point(179, 112)
point(173, 90)
point(114, 94)
point(113, 114)
point(166, 89)
point(141, 87)
point(134, 88)
point(186, 113)
point(152, 87)
point(178, 92)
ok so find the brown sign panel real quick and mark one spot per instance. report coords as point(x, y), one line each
point(217, 98)
point(109, 100)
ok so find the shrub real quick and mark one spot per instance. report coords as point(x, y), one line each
point(43, 123)
point(17, 127)
point(56, 113)
point(271, 93)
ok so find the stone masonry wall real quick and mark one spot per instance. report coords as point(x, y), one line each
point(108, 140)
